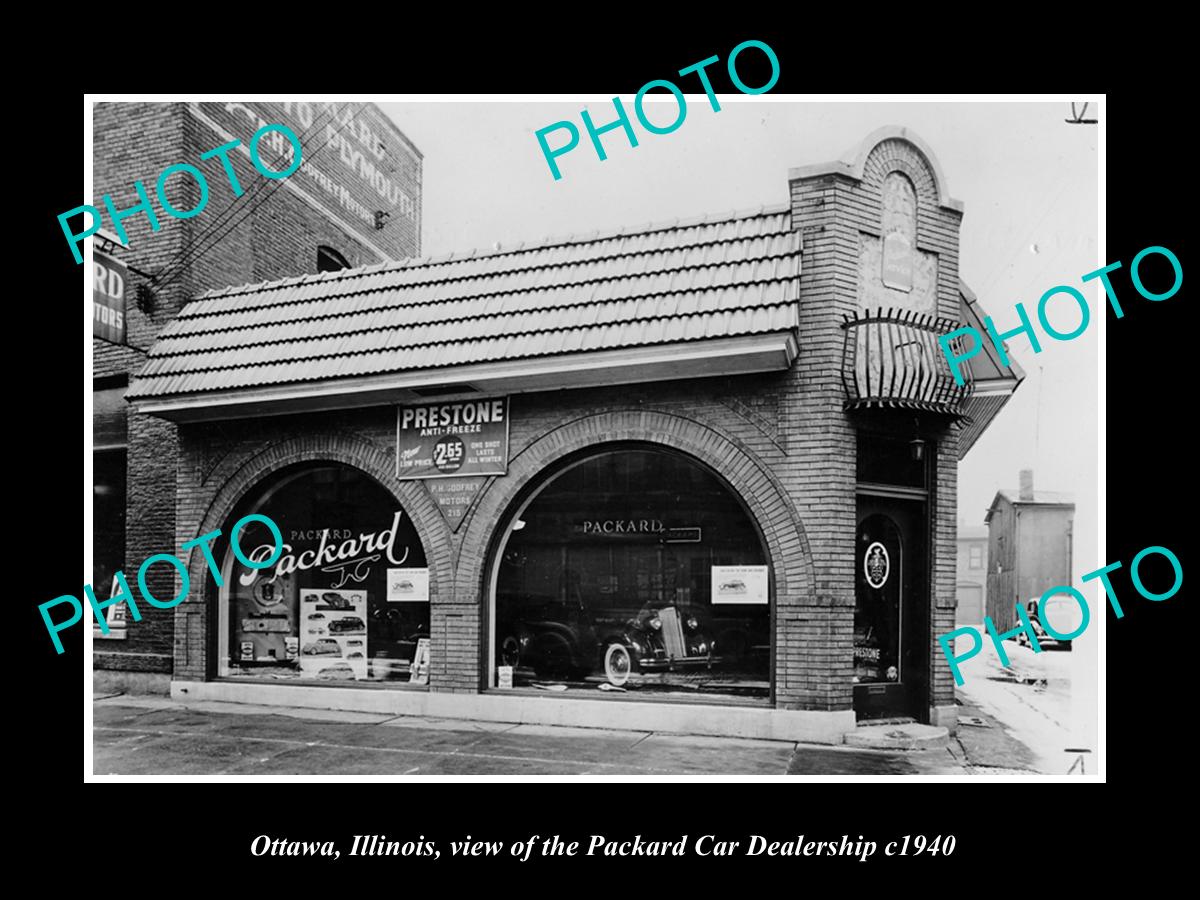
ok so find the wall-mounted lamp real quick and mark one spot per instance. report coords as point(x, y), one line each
point(916, 447)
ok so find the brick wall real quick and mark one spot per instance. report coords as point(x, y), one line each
point(275, 234)
point(782, 441)
point(835, 209)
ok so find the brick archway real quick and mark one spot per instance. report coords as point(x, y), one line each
point(239, 476)
point(748, 476)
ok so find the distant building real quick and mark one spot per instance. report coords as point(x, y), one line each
point(972, 574)
point(1029, 547)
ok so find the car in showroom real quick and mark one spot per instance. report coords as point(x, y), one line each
point(566, 641)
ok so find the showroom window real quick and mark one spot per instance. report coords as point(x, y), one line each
point(634, 571)
point(348, 598)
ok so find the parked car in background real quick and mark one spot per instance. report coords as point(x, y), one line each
point(1064, 616)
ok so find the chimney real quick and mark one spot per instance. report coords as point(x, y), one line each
point(1027, 484)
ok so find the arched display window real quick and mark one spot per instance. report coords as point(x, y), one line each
point(348, 598)
point(636, 570)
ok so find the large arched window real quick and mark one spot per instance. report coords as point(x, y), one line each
point(636, 570)
point(348, 599)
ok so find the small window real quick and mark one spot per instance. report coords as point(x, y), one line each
point(329, 260)
point(976, 556)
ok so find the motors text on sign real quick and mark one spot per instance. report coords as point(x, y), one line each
point(109, 279)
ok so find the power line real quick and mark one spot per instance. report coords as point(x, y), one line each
point(183, 257)
point(199, 251)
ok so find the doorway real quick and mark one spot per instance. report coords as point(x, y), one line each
point(891, 612)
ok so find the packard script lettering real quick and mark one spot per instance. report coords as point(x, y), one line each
point(347, 559)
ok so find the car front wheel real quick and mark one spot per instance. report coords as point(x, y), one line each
point(618, 664)
point(510, 651)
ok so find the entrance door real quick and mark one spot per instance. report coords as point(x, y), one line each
point(891, 630)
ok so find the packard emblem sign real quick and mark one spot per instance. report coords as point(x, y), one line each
point(876, 565)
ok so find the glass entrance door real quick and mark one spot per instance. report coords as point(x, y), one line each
point(891, 609)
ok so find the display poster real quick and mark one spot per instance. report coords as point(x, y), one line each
point(408, 585)
point(265, 618)
point(452, 439)
point(419, 671)
point(739, 584)
point(333, 634)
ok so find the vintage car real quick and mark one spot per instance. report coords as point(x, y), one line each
point(322, 647)
point(1063, 614)
point(561, 640)
point(347, 623)
point(338, 671)
point(334, 601)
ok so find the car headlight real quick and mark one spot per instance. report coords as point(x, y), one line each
point(656, 623)
point(701, 648)
point(692, 624)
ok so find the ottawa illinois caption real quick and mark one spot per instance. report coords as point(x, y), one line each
point(598, 845)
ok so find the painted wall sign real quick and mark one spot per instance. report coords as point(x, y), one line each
point(354, 162)
point(876, 565)
point(447, 440)
point(739, 584)
point(109, 279)
point(454, 497)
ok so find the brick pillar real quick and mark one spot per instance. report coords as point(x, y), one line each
point(814, 633)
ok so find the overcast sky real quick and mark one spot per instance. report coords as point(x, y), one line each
point(1028, 181)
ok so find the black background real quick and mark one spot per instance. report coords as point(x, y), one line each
point(131, 832)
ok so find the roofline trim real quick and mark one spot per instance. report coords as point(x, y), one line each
point(852, 163)
point(770, 351)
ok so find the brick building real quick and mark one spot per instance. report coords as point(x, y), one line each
point(972, 574)
point(355, 164)
point(698, 476)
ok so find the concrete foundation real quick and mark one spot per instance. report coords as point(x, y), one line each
point(808, 726)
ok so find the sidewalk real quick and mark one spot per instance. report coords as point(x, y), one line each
point(144, 735)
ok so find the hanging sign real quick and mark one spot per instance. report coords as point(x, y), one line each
point(108, 300)
point(453, 439)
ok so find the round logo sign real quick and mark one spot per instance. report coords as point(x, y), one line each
point(449, 454)
point(876, 565)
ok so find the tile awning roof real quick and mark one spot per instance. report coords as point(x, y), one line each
point(696, 281)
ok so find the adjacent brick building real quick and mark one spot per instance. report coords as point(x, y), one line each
point(355, 163)
point(727, 485)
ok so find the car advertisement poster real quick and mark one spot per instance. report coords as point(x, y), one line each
point(408, 585)
point(333, 638)
point(452, 439)
point(739, 584)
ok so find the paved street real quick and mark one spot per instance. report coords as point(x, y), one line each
point(140, 735)
point(1031, 698)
